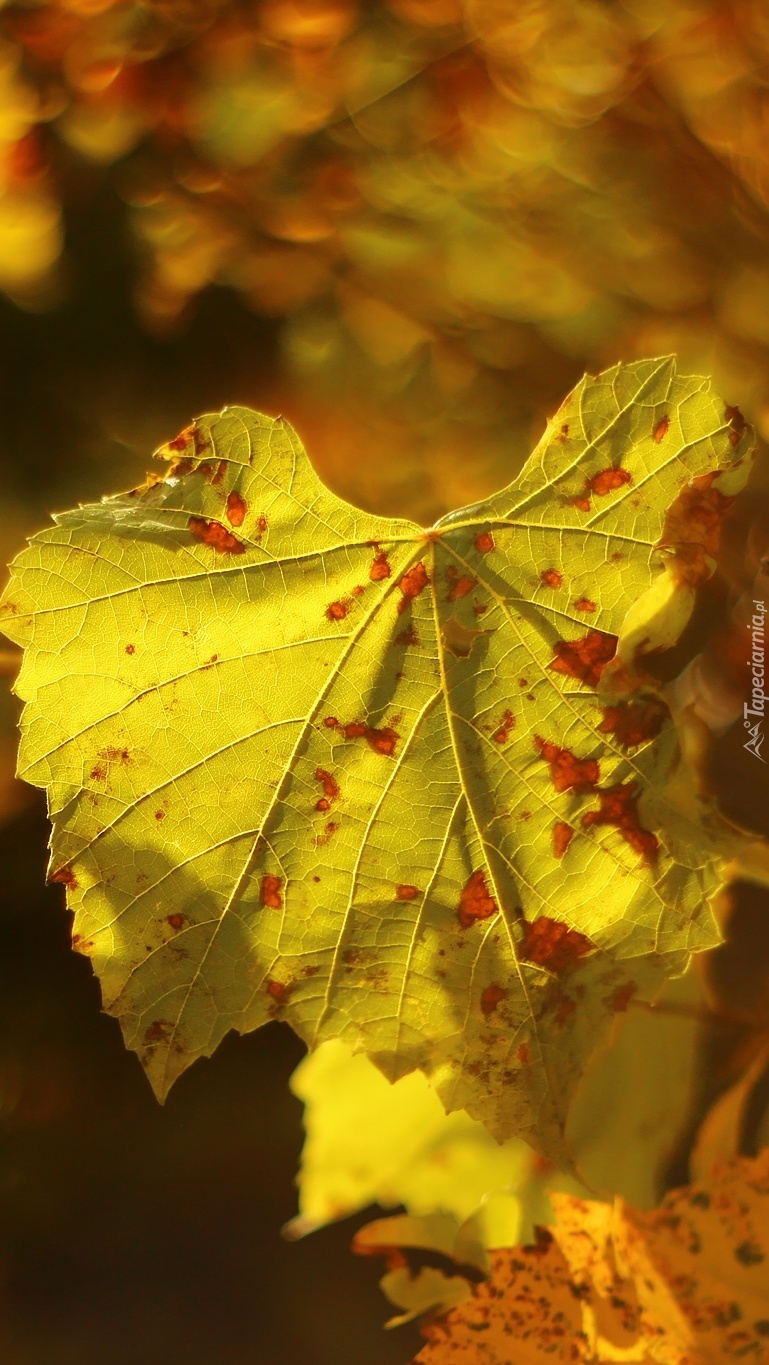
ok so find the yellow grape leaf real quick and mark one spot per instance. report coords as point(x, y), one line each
point(687, 1284)
point(309, 763)
point(371, 1142)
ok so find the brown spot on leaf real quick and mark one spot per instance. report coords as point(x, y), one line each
point(480, 608)
point(130, 649)
point(330, 788)
point(176, 920)
point(621, 998)
point(331, 722)
point(160, 815)
point(261, 525)
point(551, 578)
point(380, 568)
point(607, 481)
point(581, 503)
point(506, 727)
point(270, 892)
point(64, 877)
point(158, 1032)
point(550, 943)
point(562, 837)
point(221, 470)
point(407, 637)
point(236, 508)
point(461, 585)
point(310, 971)
point(523, 1054)
point(618, 806)
point(213, 534)
point(584, 604)
point(185, 439)
point(585, 658)
point(737, 425)
point(491, 997)
point(412, 584)
point(568, 772)
point(484, 542)
point(279, 991)
point(563, 434)
point(661, 430)
point(336, 611)
point(328, 833)
point(407, 893)
point(475, 902)
point(633, 722)
point(382, 741)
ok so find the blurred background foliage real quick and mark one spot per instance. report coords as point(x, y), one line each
point(410, 225)
point(450, 208)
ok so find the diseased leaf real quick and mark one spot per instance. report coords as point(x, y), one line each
point(307, 763)
point(688, 1282)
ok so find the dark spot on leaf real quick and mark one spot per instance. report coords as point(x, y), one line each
point(381, 741)
point(279, 991)
point(551, 578)
point(65, 877)
point(270, 892)
point(176, 920)
point(407, 893)
point(661, 430)
point(563, 433)
point(213, 534)
point(236, 508)
point(185, 438)
point(621, 998)
point(480, 608)
point(461, 585)
point(407, 637)
point(310, 971)
point(562, 837)
point(328, 833)
point(181, 468)
point(584, 604)
point(619, 807)
point(336, 611)
point(130, 649)
point(607, 481)
point(158, 1032)
point(506, 727)
point(330, 788)
point(221, 470)
point(491, 997)
point(551, 944)
point(331, 722)
point(523, 1054)
point(261, 525)
point(581, 503)
point(357, 590)
point(475, 902)
point(160, 815)
point(585, 658)
point(484, 542)
point(632, 722)
point(412, 584)
point(737, 425)
point(568, 772)
point(380, 568)
point(748, 1253)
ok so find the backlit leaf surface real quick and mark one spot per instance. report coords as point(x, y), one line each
point(308, 763)
point(688, 1282)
